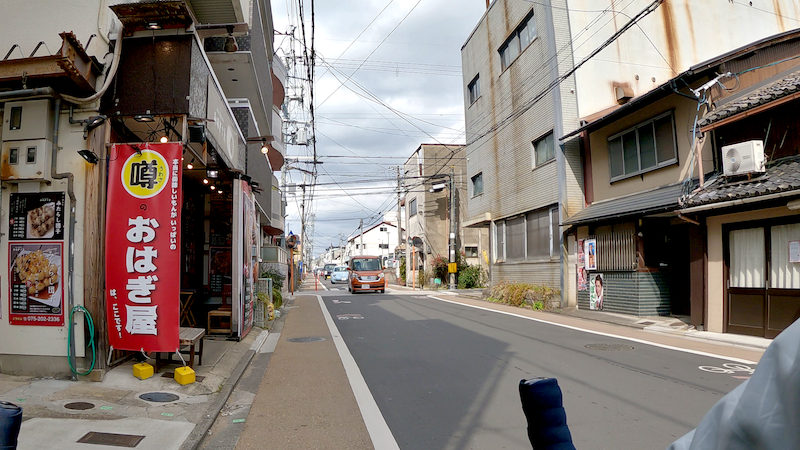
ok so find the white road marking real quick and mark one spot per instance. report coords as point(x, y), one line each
point(600, 333)
point(259, 341)
point(270, 343)
point(379, 432)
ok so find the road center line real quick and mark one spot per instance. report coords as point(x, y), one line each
point(600, 333)
point(379, 431)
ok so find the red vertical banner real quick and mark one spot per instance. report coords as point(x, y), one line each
point(143, 222)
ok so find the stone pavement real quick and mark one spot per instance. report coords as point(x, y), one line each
point(114, 406)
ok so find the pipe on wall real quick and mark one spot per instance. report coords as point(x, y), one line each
point(72, 222)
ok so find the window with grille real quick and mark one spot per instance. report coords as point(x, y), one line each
point(616, 251)
point(474, 88)
point(534, 236)
point(518, 41)
point(477, 184)
point(543, 150)
point(647, 146)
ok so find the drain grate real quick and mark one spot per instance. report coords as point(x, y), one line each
point(160, 397)
point(646, 322)
point(307, 339)
point(609, 347)
point(79, 406)
point(115, 439)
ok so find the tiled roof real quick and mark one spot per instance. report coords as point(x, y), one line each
point(782, 175)
point(787, 85)
point(661, 199)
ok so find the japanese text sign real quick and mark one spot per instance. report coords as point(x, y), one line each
point(143, 246)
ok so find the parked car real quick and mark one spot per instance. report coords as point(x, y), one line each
point(340, 275)
point(327, 271)
point(366, 274)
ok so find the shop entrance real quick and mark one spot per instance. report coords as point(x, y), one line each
point(206, 235)
point(763, 278)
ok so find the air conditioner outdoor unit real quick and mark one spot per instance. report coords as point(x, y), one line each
point(743, 158)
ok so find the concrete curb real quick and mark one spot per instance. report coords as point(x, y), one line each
point(201, 429)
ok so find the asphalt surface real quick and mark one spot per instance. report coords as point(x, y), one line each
point(446, 376)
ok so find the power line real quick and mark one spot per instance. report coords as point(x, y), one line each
point(373, 51)
point(530, 103)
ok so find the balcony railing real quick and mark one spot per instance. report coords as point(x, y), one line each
point(274, 254)
point(277, 149)
point(279, 75)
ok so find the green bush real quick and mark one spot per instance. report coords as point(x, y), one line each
point(277, 297)
point(535, 296)
point(277, 278)
point(471, 277)
point(403, 269)
point(421, 278)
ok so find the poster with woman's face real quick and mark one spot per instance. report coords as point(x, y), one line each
point(596, 291)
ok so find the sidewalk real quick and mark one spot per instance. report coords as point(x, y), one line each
point(304, 399)
point(57, 413)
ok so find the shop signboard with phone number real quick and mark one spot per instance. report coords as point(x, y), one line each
point(35, 249)
point(143, 246)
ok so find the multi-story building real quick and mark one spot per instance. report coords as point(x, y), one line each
point(379, 239)
point(688, 235)
point(429, 174)
point(90, 91)
point(536, 72)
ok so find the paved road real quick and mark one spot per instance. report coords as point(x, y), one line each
point(446, 376)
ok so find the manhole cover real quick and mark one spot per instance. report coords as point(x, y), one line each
point(307, 339)
point(80, 406)
point(114, 439)
point(609, 347)
point(161, 397)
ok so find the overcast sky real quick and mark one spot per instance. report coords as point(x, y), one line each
point(409, 53)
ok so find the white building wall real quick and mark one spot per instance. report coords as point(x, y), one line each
point(676, 36)
point(372, 241)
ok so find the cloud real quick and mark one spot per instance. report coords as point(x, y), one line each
point(416, 71)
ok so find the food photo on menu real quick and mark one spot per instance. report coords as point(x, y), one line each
point(35, 278)
point(41, 221)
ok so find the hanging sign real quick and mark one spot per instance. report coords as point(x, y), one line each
point(143, 246)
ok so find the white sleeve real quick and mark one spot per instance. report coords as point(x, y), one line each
point(761, 413)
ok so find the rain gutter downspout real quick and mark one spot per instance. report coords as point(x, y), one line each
point(72, 222)
point(561, 164)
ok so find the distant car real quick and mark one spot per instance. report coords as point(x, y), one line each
point(327, 271)
point(339, 275)
point(366, 274)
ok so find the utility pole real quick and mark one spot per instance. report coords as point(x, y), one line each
point(361, 234)
point(399, 228)
point(303, 223)
point(452, 227)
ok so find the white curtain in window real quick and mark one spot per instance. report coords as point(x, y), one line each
point(747, 258)
point(784, 274)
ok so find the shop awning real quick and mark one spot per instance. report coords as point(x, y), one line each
point(654, 201)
